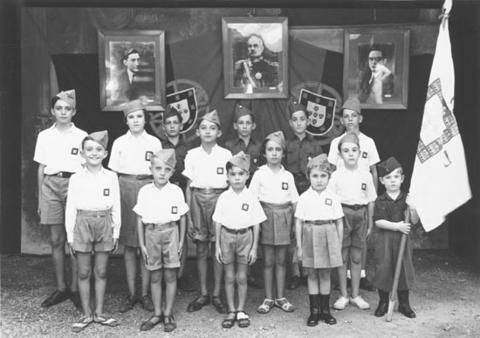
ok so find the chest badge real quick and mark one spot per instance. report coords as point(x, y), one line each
point(328, 201)
point(106, 192)
point(148, 155)
point(74, 151)
point(174, 210)
point(220, 170)
point(364, 186)
point(284, 186)
point(364, 154)
point(245, 206)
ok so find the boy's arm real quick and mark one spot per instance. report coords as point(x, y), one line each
point(298, 232)
point(218, 251)
point(181, 242)
point(370, 208)
point(141, 237)
point(393, 226)
point(40, 177)
point(339, 225)
point(252, 257)
point(373, 171)
point(188, 199)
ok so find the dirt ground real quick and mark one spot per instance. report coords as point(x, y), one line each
point(446, 298)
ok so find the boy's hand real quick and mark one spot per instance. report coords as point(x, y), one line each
point(299, 253)
point(144, 253)
point(115, 245)
point(72, 250)
point(404, 227)
point(180, 248)
point(410, 202)
point(218, 254)
point(252, 256)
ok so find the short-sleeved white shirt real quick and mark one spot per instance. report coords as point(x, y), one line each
point(273, 187)
point(207, 170)
point(352, 186)
point(93, 192)
point(131, 154)
point(163, 205)
point(60, 150)
point(238, 210)
point(313, 206)
point(368, 152)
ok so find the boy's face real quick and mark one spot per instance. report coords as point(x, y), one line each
point(351, 120)
point(319, 179)
point(298, 121)
point(350, 153)
point(94, 153)
point(160, 171)
point(208, 131)
point(273, 152)
point(172, 126)
point(237, 177)
point(244, 126)
point(63, 112)
point(136, 121)
point(393, 181)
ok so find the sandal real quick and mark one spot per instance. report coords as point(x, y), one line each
point(82, 323)
point(151, 322)
point(284, 304)
point(228, 322)
point(169, 324)
point(266, 306)
point(100, 319)
point(243, 319)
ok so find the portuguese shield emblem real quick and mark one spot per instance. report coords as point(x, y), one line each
point(185, 102)
point(321, 112)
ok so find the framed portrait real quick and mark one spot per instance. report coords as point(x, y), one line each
point(376, 67)
point(131, 66)
point(255, 57)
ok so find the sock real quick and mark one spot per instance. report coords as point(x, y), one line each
point(349, 274)
point(363, 273)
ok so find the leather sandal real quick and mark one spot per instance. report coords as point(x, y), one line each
point(229, 321)
point(82, 324)
point(198, 303)
point(284, 304)
point(243, 319)
point(266, 306)
point(151, 322)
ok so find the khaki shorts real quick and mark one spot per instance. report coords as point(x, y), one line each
point(355, 227)
point(53, 197)
point(277, 229)
point(161, 241)
point(93, 231)
point(202, 207)
point(321, 247)
point(235, 246)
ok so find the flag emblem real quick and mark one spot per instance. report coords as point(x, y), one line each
point(185, 101)
point(320, 110)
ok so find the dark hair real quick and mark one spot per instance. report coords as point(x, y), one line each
point(229, 166)
point(375, 48)
point(145, 114)
point(53, 101)
point(263, 147)
point(130, 52)
point(89, 138)
point(249, 114)
point(177, 114)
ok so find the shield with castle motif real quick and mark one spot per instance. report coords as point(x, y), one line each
point(185, 102)
point(321, 112)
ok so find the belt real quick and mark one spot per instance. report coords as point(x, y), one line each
point(354, 206)
point(320, 222)
point(239, 231)
point(160, 226)
point(137, 177)
point(62, 174)
point(94, 213)
point(209, 190)
point(275, 206)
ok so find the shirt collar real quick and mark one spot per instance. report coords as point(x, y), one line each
point(69, 130)
point(387, 197)
point(142, 135)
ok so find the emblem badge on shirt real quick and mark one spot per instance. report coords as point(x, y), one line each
point(74, 151)
point(174, 210)
point(220, 170)
point(284, 186)
point(245, 206)
point(148, 155)
point(364, 154)
point(106, 192)
point(364, 186)
point(328, 201)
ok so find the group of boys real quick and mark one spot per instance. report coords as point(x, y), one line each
point(204, 174)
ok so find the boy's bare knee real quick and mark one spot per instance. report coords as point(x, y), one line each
point(202, 251)
point(84, 273)
point(156, 277)
point(241, 279)
point(100, 273)
point(229, 278)
point(170, 276)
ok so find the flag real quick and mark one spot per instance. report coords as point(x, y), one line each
point(439, 182)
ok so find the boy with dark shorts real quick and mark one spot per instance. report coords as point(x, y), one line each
point(58, 153)
point(207, 179)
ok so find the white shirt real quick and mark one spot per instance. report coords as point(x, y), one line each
point(131, 154)
point(353, 186)
point(93, 192)
point(207, 170)
point(273, 187)
point(60, 150)
point(368, 153)
point(163, 205)
point(238, 210)
point(314, 206)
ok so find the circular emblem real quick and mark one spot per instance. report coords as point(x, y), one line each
point(258, 75)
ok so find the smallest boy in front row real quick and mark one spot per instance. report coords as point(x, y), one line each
point(319, 234)
point(160, 205)
point(92, 222)
point(237, 216)
point(393, 217)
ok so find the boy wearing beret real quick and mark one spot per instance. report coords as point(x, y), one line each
point(57, 152)
point(160, 206)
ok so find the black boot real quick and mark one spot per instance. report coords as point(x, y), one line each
point(325, 310)
point(313, 318)
point(382, 304)
point(404, 304)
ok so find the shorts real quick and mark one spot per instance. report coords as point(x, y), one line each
point(202, 207)
point(321, 247)
point(276, 230)
point(161, 241)
point(235, 245)
point(93, 231)
point(53, 197)
point(129, 187)
point(355, 227)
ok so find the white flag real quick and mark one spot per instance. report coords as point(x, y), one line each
point(440, 180)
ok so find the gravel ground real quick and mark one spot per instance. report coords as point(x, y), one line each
point(446, 299)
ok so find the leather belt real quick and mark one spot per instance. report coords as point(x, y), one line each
point(209, 190)
point(62, 174)
point(137, 177)
point(354, 206)
point(320, 222)
point(239, 231)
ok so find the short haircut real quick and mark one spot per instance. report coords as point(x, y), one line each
point(130, 52)
point(89, 138)
point(147, 116)
point(249, 114)
point(53, 101)
point(377, 48)
point(309, 170)
point(177, 114)
point(230, 165)
point(263, 147)
point(199, 122)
